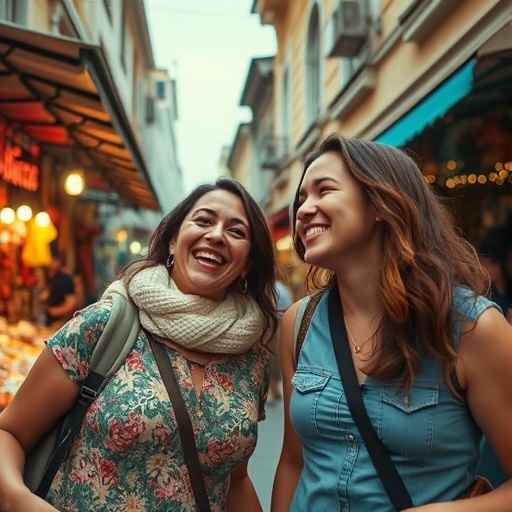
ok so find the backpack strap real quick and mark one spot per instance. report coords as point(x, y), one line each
point(112, 348)
point(304, 313)
point(117, 338)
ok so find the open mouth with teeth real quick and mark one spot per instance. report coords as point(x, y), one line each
point(315, 230)
point(209, 257)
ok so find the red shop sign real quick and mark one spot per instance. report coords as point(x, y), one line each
point(17, 166)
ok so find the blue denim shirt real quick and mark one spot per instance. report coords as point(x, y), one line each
point(429, 433)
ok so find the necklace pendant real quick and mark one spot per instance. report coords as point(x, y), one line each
point(357, 348)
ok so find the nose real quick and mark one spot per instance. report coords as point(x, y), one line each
point(215, 234)
point(306, 209)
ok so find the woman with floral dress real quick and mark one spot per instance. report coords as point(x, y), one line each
point(205, 291)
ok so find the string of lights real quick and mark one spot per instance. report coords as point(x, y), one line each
point(501, 174)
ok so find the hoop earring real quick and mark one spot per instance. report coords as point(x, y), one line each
point(242, 284)
point(170, 260)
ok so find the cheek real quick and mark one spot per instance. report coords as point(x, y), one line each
point(242, 257)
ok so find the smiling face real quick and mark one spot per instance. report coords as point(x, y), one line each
point(211, 250)
point(334, 217)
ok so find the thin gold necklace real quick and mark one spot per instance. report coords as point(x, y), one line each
point(357, 346)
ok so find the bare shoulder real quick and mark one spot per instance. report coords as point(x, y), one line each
point(486, 346)
point(291, 312)
point(490, 333)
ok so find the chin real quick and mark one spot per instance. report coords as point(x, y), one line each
point(317, 260)
point(309, 258)
point(209, 292)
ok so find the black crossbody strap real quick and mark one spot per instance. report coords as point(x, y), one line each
point(184, 424)
point(88, 392)
point(386, 470)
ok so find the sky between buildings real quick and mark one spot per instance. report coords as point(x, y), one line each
point(207, 45)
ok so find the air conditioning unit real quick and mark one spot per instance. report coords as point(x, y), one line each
point(273, 152)
point(349, 28)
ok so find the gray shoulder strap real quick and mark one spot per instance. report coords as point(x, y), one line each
point(117, 338)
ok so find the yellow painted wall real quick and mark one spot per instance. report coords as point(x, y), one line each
point(241, 159)
point(403, 75)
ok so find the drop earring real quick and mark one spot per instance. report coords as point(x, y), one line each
point(243, 284)
point(170, 260)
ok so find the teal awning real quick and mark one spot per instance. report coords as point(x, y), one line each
point(430, 108)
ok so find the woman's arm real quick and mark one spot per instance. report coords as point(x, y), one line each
point(242, 496)
point(46, 395)
point(486, 360)
point(290, 462)
point(484, 370)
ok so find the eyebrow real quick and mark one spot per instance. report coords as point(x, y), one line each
point(214, 213)
point(317, 181)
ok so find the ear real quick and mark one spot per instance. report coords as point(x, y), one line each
point(246, 269)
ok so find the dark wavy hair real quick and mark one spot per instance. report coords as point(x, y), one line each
point(425, 257)
point(262, 264)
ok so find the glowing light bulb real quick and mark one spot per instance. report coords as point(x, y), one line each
point(135, 248)
point(74, 183)
point(42, 219)
point(7, 215)
point(24, 212)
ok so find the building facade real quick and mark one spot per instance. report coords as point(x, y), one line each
point(80, 95)
point(430, 75)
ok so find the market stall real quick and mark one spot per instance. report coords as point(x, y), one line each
point(20, 345)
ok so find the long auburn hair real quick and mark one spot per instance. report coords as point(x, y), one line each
point(262, 264)
point(425, 257)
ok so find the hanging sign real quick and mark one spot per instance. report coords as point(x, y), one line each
point(19, 166)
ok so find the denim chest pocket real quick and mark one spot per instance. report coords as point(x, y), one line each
point(308, 393)
point(412, 400)
point(309, 382)
point(406, 420)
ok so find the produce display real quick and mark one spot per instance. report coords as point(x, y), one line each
point(20, 345)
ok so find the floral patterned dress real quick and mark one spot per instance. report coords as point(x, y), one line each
point(128, 456)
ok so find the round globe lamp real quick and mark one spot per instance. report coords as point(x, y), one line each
point(74, 183)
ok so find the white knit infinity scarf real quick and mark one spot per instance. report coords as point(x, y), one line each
point(231, 326)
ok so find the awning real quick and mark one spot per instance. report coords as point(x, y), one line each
point(433, 106)
point(279, 223)
point(59, 92)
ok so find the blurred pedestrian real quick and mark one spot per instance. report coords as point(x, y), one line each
point(59, 295)
point(284, 301)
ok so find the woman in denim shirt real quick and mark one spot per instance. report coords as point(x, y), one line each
point(433, 356)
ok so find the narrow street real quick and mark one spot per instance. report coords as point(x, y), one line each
point(263, 463)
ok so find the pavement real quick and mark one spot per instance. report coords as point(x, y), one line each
point(263, 463)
